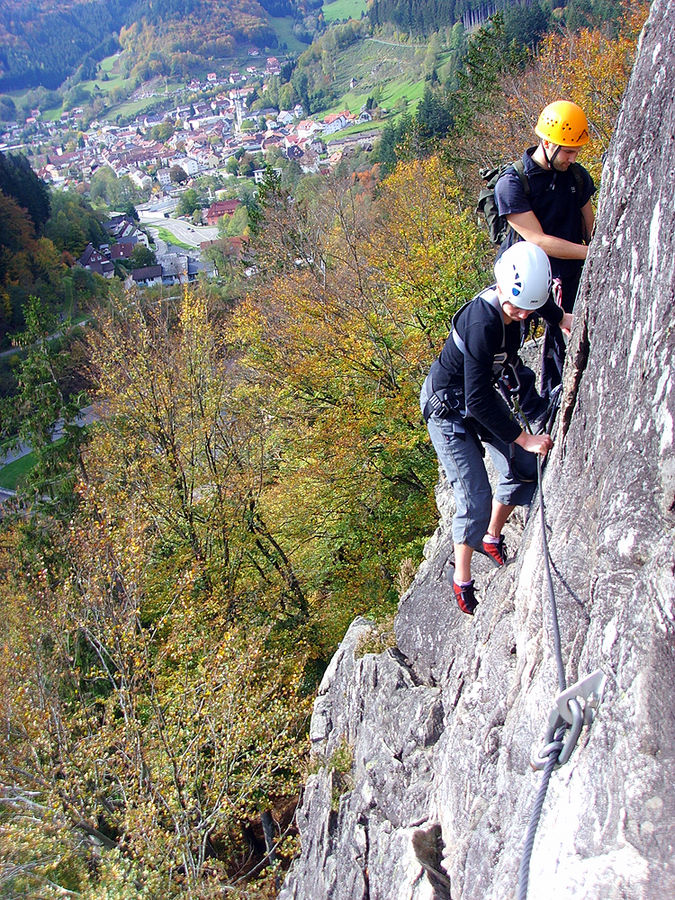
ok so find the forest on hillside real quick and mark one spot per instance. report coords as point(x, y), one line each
point(43, 43)
point(41, 235)
point(428, 16)
point(175, 579)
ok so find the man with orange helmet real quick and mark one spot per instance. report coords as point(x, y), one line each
point(555, 212)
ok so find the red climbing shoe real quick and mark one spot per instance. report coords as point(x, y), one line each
point(466, 599)
point(496, 552)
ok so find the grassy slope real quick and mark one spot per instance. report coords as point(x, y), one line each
point(339, 10)
point(284, 31)
point(12, 474)
point(394, 69)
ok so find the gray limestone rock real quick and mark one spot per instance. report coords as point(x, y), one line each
point(440, 731)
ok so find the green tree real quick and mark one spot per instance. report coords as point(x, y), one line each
point(234, 225)
point(188, 202)
point(43, 413)
point(130, 210)
point(178, 175)
point(18, 180)
point(73, 223)
point(488, 59)
point(525, 25)
point(431, 57)
point(107, 188)
point(390, 146)
point(142, 256)
point(163, 131)
point(433, 113)
point(7, 109)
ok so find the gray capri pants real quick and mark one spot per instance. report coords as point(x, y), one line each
point(459, 452)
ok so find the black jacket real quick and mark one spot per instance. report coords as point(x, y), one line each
point(488, 345)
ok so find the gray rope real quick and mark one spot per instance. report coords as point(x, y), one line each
point(557, 646)
point(524, 871)
point(556, 747)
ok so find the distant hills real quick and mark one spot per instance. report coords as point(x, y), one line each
point(43, 42)
point(51, 42)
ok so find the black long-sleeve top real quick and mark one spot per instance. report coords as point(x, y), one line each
point(489, 343)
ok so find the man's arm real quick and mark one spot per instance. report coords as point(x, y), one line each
point(529, 228)
point(587, 221)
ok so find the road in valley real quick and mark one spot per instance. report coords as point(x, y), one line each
point(183, 231)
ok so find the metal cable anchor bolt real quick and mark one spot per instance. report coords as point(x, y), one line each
point(575, 707)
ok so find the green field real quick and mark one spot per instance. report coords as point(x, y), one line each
point(129, 108)
point(391, 94)
point(412, 92)
point(355, 129)
point(339, 10)
point(110, 66)
point(12, 474)
point(284, 29)
point(168, 238)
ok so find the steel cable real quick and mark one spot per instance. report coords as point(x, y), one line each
point(524, 870)
point(555, 748)
point(557, 646)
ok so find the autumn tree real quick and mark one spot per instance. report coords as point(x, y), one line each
point(44, 417)
point(164, 638)
point(358, 293)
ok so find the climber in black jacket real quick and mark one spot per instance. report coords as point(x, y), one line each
point(463, 408)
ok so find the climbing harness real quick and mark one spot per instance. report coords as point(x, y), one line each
point(575, 707)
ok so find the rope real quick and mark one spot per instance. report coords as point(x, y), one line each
point(557, 646)
point(524, 871)
point(556, 747)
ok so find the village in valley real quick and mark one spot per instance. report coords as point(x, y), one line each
point(210, 126)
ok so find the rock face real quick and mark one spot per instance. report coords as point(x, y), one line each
point(426, 789)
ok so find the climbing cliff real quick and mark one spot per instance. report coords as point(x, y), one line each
point(425, 788)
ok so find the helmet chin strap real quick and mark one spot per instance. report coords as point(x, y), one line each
point(550, 159)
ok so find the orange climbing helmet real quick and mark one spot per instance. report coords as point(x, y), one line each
point(563, 123)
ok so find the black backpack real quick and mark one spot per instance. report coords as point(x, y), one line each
point(498, 227)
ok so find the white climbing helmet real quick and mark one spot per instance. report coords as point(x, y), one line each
point(523, 274)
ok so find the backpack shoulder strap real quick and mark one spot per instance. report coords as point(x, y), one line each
point(577, 172)
point(490, 296)
point(519, 169)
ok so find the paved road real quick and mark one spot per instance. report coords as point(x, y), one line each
point(182, 231)
point(86, 417)
point(394, 44)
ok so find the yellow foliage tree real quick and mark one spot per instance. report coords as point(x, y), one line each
point(359, 296)
point(155, 682)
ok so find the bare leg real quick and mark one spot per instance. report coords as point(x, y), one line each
point(500, 514)
point(463, 554)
